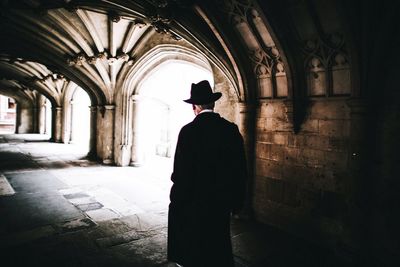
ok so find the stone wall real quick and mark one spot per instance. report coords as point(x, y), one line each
point(24, 120)
point(300, 178)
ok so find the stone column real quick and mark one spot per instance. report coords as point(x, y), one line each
point(93, 130)
point(35, 119)
point(42, 118)
point(69, 117)
point(99, 131)
point(123, 133)
point(24, 120)
point(137, 157)
point(108, 134)
point(246, 124)
point(57, 124)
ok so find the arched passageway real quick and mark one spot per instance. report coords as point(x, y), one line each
point(162, 112)
point(305, 84)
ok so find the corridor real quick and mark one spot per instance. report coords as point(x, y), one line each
point(59, 209)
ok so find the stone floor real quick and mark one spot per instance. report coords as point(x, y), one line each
point(59, 209)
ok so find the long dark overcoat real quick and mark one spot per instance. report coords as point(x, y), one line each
point(208, 184)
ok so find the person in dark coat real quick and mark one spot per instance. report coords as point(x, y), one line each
point(209, 184)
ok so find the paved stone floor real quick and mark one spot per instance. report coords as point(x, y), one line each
point(59, 209)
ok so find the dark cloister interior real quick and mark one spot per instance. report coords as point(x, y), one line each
point(90, 110)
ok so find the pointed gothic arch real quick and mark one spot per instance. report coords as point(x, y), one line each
point(128, 95)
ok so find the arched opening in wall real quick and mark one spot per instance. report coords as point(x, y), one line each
point(162, 112)
point(45, 116)
point(48, 118)
point(8, 108)
point(80, 119)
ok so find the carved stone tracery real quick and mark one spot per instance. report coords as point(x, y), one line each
point(327, 66)
point(267, 62)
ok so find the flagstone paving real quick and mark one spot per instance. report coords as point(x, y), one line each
point(58, 208)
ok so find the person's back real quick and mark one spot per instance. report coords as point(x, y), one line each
point(209, 183)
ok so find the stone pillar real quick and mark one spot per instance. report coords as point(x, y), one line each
point(137, 158)
point(57, 124)
point(93, 130)
point(246, 125)
point(35, 119)
point(67, 123)
point(42, 118)
point(24, 120)
point(123, 134)
point(99, 131)
point(108, 134)
point(69, 119)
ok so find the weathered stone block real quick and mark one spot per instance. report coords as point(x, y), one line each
point(310, 126)
point(328, 110)
point(296, 173)
point(334, 128)
point(263, 150)
point(277, 153)
point(269, 151)
point(292, 155)
point(279, 138)
point(312, 157)
point(268, 168)
point(317, 142)
point(261, 124)
point(264, 137)
point(278, 124)
point(296, 140)
point(272, 110)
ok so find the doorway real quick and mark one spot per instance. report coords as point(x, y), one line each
point(80, 119)
point(162, 112)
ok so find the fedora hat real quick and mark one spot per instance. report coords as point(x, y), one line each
point(201, 94)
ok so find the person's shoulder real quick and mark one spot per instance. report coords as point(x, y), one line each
point(188, 127)
point(228, 123)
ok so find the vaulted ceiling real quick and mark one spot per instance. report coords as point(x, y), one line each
point(47, 44)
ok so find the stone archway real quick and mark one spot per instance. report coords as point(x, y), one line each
point(129, 96)
point(72, 95)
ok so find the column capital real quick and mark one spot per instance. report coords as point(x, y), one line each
point(135, 98)
point(109, 107)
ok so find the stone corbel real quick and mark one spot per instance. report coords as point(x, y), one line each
point(77, 60)
point(161, 19)
point(140, 23)
point(114, 17)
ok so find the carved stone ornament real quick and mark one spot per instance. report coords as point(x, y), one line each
point(327, 66)
point(161, 18)
point(114, 17)
point(80, 58)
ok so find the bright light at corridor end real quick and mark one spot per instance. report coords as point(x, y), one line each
point(164, 113)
